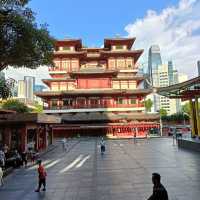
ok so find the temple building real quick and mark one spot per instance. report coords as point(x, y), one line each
point(98, 91)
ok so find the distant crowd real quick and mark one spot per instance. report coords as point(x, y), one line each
point(15, 158)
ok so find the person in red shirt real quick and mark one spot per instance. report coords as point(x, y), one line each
point(41, 177)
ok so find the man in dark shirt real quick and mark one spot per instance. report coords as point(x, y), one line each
point(159, 191)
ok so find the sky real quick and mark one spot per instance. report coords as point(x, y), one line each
point(172, 24)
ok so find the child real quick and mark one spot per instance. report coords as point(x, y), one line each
point(41, 177)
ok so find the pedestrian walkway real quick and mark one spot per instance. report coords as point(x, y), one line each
point(124, 172)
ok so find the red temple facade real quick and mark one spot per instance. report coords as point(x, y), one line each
point(98, 91)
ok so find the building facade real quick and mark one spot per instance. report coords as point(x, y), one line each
point(25, 89)
point(168, 76)
point(198, 67)
point(29, 87)
point(154, 61)
point(21, 89)
point(98, 91)
point(23, 131)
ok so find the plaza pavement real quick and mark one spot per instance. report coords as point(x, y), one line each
point(124, 172)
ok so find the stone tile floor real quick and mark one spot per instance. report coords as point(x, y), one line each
point(124, 172)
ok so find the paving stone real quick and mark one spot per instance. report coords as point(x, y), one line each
point(124, 172)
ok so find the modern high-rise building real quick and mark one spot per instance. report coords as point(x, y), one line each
point(21, 89)
point(198, 65)
point(29, 87)
point(165, 75)
point(154, 61)
point(26, 88)
point(171, 72)
point(98, 91)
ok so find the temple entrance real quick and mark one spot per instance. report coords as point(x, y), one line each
point(94, 132)
point(31, 139)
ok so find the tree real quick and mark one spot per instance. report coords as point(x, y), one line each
point(6, 86)
point(13, 104)
point(38, 108)
point(148, 104)
point(22, 42)
point(163, 112)
point(176, 117)
point(186, 108)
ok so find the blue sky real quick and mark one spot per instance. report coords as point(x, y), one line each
point(172, 24)
point(92, 20)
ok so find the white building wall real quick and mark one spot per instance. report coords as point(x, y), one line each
point(21, 89)
point(170, 105)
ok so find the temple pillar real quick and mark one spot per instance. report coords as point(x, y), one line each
point(197, 117)
point(192, 118)
point(23, 138)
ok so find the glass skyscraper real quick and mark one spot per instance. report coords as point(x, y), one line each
point(154, 60)
point(171, 74)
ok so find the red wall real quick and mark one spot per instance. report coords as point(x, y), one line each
point(94, 83)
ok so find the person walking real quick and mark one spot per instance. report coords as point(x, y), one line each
point(24, 158)
point(64, 144)
point(159, 191)
point(1, 176)
point(41, 177)
point(102, 144)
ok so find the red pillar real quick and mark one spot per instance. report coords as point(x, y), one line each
point(23, 138)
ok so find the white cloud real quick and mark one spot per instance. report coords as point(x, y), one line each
point(19, 73)
point(176, 30)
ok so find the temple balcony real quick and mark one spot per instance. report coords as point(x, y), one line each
point(95, 108)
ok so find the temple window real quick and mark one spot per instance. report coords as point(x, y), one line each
point(63, 86)
point(57, 63)
point(120, 63)
point(66, 48)
point(119, 47)
point(129, 63)
point(120, 100)
point(124, 84)
point(75, 65)
point(67, 102)
point(71, 86)
point(54, 86)
point(94, 101)
point(132, 84)
point(111, 63)
point(54, 103)
point(132, 101)
point(66, 65)
point(115, 85)
point(81, 101)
